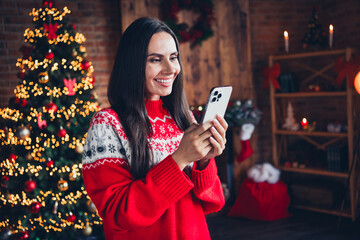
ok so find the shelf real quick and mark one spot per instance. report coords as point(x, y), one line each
point(327, 211)
point(306, 133)
point(315, 172)
point(308, 54)
point(310, 94)
point(320, 67)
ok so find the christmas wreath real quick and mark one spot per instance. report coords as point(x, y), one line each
point(201, 29)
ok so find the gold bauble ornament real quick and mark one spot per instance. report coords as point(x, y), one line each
point(82, 48)
point(22, 132)
point(43, 77)
point(79, 148)
point(91, 206)
point(87, 230)
point(28, 157)
point(63, 185)
point(73, 176)
point(74, 53)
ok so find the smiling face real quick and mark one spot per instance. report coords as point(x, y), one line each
point(162, 66)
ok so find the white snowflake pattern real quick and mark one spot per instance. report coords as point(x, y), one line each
point(162, 129)
point(111, 148)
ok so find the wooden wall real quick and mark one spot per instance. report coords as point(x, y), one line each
point(224, 59)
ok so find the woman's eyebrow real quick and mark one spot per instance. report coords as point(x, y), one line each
point(159, 55)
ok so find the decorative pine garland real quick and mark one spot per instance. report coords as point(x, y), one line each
point(201, 30)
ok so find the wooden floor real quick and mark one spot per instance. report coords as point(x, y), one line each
point(302, 225)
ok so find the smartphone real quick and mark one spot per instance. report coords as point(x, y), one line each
point(217, 102)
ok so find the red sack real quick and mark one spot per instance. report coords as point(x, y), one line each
point(261, 201)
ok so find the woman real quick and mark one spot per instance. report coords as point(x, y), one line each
point(148, 169)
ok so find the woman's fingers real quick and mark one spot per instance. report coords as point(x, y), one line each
point(217, 137)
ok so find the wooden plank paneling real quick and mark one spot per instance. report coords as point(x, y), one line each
point(224, 59)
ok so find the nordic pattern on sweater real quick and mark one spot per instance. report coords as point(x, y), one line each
point(105, 142)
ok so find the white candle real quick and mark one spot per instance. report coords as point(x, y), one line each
point(286, 39)
point(331, 34)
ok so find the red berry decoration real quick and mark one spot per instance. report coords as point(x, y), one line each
point(73, 26)
point(29, 186)
point(35, 207)
point(5, 178)
point(71, 218)
point(23, 102)
point(49, 55)
point(50, 163)
point(51, 107)
point(49, 3)
point(12, 157)
point(17, 100)
point(23, 235)
point(61, 133)
point(85, 65)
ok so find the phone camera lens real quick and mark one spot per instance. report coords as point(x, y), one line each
point(213, 99)
point(216, 93)
point(220, 95)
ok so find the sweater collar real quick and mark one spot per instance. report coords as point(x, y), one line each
point(155, 108)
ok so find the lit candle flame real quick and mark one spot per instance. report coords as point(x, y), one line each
point(286, 34)
point(331, 28)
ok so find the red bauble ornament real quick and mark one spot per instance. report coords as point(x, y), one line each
point(61, 133)
point(23, 102)
point(51, 107)
point(12, 157)
point(71, 218)
point(4, 180)
point(35, 207)
point(50, 163)
point(21, 75)
point(49, 55)
point(29, 186)
point(85, 65)
point(73, 26)
point(92, 81)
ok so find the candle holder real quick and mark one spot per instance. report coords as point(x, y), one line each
point(307, 126)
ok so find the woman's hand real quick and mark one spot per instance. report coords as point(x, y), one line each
point(217, 140)
point(201, 142)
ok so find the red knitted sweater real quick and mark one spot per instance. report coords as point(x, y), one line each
point(168, 203)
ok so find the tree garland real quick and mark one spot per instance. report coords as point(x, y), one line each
point(201, 30)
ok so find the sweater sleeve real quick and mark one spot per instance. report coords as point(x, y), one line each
point(123, 202)
point(207, 187)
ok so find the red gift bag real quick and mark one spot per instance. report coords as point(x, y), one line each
point(261, 201)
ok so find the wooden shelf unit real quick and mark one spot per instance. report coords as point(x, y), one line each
point(279, 135)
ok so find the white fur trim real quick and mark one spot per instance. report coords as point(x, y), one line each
point(264, 172)
point(246, 131)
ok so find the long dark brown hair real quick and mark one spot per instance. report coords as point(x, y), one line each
point(126, 92)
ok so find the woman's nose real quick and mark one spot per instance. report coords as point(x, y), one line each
point(169, 67)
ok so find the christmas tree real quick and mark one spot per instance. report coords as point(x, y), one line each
point(315, 35)
point(42, 133)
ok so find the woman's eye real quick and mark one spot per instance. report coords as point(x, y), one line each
point(154, 60)
point(173, 58)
